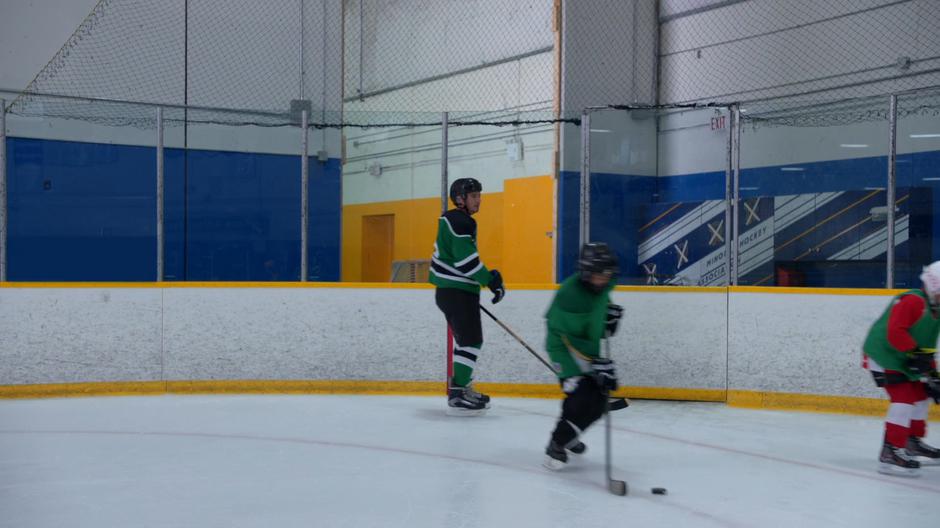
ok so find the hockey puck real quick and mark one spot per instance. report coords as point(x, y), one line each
point(658, 491)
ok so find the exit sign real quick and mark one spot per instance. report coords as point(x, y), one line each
point(719, 122)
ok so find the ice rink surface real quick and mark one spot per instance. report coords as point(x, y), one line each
point(390, 461)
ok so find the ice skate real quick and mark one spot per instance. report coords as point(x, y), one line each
point(917, 448)
point(895, 461)
point(478, 395)
point(555, 457)
point(579, 448)
point(461, 402)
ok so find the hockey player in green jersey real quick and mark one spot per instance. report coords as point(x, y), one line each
point(458, 273)
point(899, 352)
point(580, 315)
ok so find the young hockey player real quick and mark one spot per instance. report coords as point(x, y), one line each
point(899, 352)
point(580, 315)
point(458, 273)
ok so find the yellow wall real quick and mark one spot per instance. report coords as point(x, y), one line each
point(511, 228)
point(415, 229)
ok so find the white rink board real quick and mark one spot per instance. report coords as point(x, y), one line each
point(802, 343)
point(63, 335)
point(672, 338)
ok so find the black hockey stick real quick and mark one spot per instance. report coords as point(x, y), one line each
point(519, 339)
point(615, 403)
point(617, 487)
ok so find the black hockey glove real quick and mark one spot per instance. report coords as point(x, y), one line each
point(605, 374)
point(932, 386)
point(496, 286)
point(920, 363)
point(614, 313)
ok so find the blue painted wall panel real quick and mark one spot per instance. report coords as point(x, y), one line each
point(80, 211)
point(617, 206)
point(87, 212)
point(243, 221)
point(325, 230)
point(568, 222)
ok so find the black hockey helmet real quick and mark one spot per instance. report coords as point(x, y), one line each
point(596, 257)
point(464, 186)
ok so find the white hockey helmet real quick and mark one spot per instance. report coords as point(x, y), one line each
point(931, 279)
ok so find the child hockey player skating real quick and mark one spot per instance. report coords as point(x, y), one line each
point(899, 352)
point(580, 315)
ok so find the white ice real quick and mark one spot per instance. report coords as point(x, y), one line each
point(388, 461)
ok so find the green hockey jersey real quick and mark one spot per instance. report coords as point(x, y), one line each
point(456, 261)
point(576, 321)
point(924, 332)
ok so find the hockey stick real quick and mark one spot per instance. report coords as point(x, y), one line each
point(615, 403)
point(519, 339)
point(617, 487)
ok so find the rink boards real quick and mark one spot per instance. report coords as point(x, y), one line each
point(758, 347)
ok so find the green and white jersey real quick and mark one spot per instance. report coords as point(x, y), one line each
point(456, 261)
point(576, 321)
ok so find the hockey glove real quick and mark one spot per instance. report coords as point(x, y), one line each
point(605, 374)
point(614, 313)
point(932, 386)
point(920, 363)
point(496, 286)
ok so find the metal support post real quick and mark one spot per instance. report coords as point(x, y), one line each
point(304, 190)
point(729, 194)
point(585, 203)
point(160, 200)
point(444, 154)
point(890, 189)
point(3, 191)
point(735, 193)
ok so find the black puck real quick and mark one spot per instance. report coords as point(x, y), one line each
point(658, 491)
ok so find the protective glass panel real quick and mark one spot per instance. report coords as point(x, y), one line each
point(81, 179)
point(391, 198)
point(812, 194)
point(512, 160)
point(239, 188)
point(657, 193)
point(918, 176)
